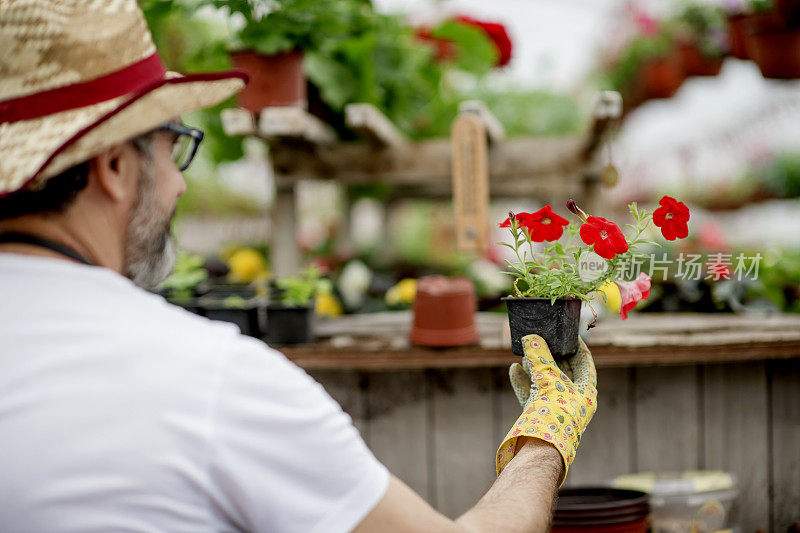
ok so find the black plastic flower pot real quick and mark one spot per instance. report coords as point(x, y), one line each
point(244, 316)
point(556, 323)
point(289, 325)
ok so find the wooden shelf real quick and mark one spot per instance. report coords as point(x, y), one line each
point(379, 342)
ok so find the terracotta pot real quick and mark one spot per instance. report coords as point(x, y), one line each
point(601, 510)
point(697, 64)
point(276, 80)
point(736, 35)
point(444, 312)
point(774, 46)
point(557, 323)
point(663, 77)
point(789, 11)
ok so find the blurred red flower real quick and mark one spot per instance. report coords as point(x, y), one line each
point(606, 237)
point(633, 292)
point(497, 33)
point(672, 217)
point(445, 49)
point(543, 225)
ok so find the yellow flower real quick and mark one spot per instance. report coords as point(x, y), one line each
point(247, 265)
point(327, 304)
point(613, 298)
point(402, 293)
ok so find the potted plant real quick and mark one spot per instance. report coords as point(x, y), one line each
point(648, 67)
point(234, 309)
point(702, 39)
point(290, 312)
point(270, 41)
point(773, 42)
point(181, 286)
point(551, 283)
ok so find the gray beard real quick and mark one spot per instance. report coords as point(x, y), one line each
point(150, 250)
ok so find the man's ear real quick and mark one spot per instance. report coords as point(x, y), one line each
point(115, 172)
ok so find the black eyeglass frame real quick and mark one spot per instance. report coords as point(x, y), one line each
point(195, 134)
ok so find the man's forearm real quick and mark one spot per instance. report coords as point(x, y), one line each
point(523, 497)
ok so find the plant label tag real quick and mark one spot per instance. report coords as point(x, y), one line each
point(470, 183)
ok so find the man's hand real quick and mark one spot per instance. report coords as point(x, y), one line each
point(556, 409)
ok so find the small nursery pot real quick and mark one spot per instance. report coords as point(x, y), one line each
point(697, 64)
point(774, 47)
point(246, 316)
point(275, 80)
point(663, 76)
point(290, 325)
point(444, 312)
point(601, 510)
point(556, 323)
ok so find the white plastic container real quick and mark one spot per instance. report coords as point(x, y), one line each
point(688, 502)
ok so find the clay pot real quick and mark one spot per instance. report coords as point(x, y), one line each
point(556, 323)
point(736, 35)
point(789, 11)
point(601, 510)
point(444, 312)
point(662, 77)
point(275, 80)
point(697, 64)
point(774, 47)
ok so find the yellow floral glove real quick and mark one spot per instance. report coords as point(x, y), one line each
point(556, 408)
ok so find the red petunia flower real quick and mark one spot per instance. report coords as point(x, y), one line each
point(606, 237)
point(672, 217)
point(497, 33)
point(543, 225)
point(633, 292)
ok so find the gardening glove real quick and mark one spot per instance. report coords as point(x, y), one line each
point(556, 408)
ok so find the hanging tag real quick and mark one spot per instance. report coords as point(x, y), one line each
point(470, 183)
point(610, 175)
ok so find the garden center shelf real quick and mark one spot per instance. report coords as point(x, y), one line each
point(379, 341)
point(303, 147)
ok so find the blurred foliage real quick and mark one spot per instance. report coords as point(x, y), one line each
point(189, 272)
point(780, 175)
point(209, 196)
point(187, 42)
point(703, 24)
point(780, 279)
point(623, 73)
point(534, 112)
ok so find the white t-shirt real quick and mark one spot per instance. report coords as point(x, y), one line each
point(121, 412)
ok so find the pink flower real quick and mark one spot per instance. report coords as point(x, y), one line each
point(632, 292)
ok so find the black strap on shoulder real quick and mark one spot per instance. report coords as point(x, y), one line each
point(33, 240)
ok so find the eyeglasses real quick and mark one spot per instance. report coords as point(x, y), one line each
point(186, 143)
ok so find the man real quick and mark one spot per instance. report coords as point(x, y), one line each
point(120, 412)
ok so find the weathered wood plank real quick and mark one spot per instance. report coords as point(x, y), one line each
point(369, 122)
point(531, 161)
point(347, 388)
point(398, 423)
point(294, 123)
point(785, 418)
point(736, 436)
point(463, 439)
point(376, 355)
point(666, 418)
point(606, 448)
point(237, 121)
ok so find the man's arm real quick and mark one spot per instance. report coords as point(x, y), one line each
point(521, 499)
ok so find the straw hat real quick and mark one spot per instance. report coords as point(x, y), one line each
point(77, 77)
